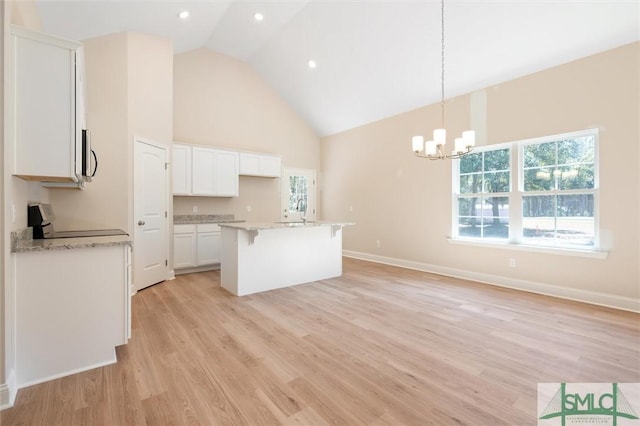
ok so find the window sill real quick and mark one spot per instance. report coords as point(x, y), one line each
point(593, 254)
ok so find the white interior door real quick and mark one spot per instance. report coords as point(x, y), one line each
point(298, 195)
point(151, 246)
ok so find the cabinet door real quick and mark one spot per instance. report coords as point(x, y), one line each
point(208, 248)
point(226, 173)
point(203, 164)
point(44, 77)
point(270, 166)
point(249, 164)
point(214, 172)
point(259, 165)
point(181, 170)
point(184, 250)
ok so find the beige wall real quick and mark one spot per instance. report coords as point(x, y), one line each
point(129, 94)
point(222, 102)
point(406, 203)
point(150, 87)
point(104, 202)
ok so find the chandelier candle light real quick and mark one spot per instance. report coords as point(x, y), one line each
point(434, 149)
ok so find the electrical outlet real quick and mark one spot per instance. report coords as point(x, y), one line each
point(512, 262)
point(248, 209)
point(351, 208)
point(195, 209)
point(378, 243)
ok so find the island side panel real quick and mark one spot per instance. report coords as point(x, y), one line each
point(285, 257)
point(229, 258)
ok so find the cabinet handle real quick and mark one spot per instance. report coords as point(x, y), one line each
point(141, 222)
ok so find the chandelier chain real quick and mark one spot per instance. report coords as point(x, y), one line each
point(442, 62)
point(435, 149)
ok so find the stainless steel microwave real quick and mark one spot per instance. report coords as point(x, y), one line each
point(86, 165)
point(88, 154)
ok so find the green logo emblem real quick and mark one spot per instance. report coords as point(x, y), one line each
point(586, 405)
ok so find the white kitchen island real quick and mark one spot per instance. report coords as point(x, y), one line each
point(257, 257)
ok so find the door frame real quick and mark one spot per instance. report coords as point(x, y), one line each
point(168, 206)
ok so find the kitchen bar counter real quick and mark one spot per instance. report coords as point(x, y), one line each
point(263, 256)
point(25, 245)
point(194, 219)
point(254, 228)
point(258, 226)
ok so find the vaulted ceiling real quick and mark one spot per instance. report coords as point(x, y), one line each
point(374, 58)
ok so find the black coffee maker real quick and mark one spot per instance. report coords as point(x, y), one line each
point(40, 217)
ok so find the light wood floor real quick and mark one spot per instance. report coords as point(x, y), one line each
point(378, 346)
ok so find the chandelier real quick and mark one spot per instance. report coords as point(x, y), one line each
point(435, 149)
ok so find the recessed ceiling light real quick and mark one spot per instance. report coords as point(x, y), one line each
point(312, 64)
point(258, 16)
point(184, 14)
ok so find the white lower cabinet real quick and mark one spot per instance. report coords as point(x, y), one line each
point(195, 246)
point(72, 310)
point(184, 246)
point(208, 244)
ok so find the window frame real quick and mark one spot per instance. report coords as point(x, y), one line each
point(481, 195)
point(516, 198)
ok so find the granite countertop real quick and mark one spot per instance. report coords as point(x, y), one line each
point(258, 226)
point(189, 219)
point(28, 245)
point(23, 242)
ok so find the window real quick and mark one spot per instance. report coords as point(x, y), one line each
point(559, 192)
point(552, 204)
point(483, 194)
point(298, 194)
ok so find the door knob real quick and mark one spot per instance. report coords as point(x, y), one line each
point(140, 222)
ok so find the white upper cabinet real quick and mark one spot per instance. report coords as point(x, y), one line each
point(202, 171)
point(263, 165)
point(47, 106)
point(198, 170)
point(226, 167)
point(181, 169)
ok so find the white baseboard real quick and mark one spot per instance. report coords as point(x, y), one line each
point(8, 391)
point(586, 296)
point(181, 271)
point(69, 373)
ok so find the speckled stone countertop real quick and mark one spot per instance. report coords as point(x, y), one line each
point(23, 243)
point(189, 219)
